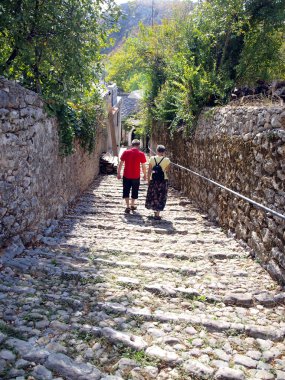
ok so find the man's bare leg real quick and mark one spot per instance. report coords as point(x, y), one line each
point(127, 200)
point(133, 206)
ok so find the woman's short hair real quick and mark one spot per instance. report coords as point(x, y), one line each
point(136, 142)
point(160, 148)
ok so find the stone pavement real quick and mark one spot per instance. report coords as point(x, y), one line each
point(113, 296)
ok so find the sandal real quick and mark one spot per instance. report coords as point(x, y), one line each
point(127, 210)
point(157, 217)
point(133, 208)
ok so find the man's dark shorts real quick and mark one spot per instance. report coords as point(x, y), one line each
point(129, 184)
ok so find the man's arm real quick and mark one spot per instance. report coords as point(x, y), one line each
point(119, 169)
point(144, 171)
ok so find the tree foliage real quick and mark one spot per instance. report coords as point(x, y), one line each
point(196, 58)
point(53, 48)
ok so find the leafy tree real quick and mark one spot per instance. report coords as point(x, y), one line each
point(54, 47)
point(271, 12)
point(125, 66)
point(267, 63)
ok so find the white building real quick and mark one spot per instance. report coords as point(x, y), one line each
point(114, 104)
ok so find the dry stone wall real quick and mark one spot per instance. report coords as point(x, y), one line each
point(242, 148)
point(36, 183)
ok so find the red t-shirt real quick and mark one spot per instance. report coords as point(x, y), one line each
point(133, 159)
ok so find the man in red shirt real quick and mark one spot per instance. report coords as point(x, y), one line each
point(133, 159)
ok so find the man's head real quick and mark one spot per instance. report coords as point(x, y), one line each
point(160, 148)
point(136, 143)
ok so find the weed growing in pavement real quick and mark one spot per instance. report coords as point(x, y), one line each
point(231, 363)
point(91, 280)
point(10, 331)
point(273, 371)
point(139, 356)
point(32, 318)
point(139, 319)
point(5, 372)
point(84, 336)
point(200, 298)
point(54, 262)
point(232, 332)
point(129, 285)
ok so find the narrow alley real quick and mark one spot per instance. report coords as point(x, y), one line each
point(115, 296)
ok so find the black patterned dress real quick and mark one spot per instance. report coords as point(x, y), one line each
point(156, 195)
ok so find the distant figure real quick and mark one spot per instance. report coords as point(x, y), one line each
point(158, 182)
point(133, 159)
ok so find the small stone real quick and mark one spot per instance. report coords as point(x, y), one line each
point(125, 365)
point(222, 355)
point(68, 368)
point(280, 375)
point(7, 355)
point(14, 372)
point(146, 373)
point(164, 355)
point(264, 375)
point(256, 355)
point(265, 333)
point(265, 299)
point(194, 367)
point(270, 354)
point(264, 344)
point(197, 342)
point(171, 341)
point(41, 324)
point(157, 333)
point(229, 374)
point(2, 337)
point(21, 363)
point(239, 299)
point(245, 361)
point(19, 345)
point(264, 366)
point(219, 364)
point(133, 341)
point(36, 355)
point(42, 373)
point(190, 330)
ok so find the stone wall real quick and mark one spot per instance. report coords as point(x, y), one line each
point(36, 183)
point(242, 148)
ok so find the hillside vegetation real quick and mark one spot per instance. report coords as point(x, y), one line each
point(138, 12)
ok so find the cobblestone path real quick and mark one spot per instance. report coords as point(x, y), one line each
point(114, 296)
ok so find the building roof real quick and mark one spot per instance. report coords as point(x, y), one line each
point(130, 103)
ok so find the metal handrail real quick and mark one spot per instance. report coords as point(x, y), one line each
point(256, 204)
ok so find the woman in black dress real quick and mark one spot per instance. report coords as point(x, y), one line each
point(158, 182)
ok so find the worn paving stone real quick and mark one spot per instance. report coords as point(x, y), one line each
point(229, 374)
point(112, 296)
